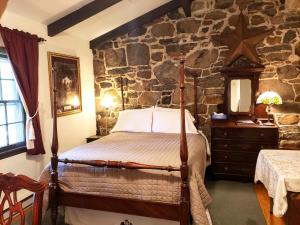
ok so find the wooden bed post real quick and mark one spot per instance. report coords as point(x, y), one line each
point(196, 102)
point(53, 186)
point(184, 168)
point(122, 93)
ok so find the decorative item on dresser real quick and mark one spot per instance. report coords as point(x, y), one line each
point(235, 148)
point(269, 98)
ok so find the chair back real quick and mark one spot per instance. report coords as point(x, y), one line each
point(9, 185)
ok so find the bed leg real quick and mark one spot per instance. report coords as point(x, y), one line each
point(53, 215)
point(271, 205)
point(184, 211)
point(53, 203)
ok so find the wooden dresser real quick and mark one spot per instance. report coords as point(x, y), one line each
point(235, 148)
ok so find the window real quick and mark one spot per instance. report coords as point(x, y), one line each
point(12, 116)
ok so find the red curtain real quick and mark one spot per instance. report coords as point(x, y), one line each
point(23, 52)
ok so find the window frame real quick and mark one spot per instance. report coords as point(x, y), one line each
point(18, 148)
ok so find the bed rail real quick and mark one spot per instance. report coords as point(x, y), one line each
point(119, 165)
point(184, 169)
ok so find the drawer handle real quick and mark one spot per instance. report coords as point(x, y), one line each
point(226, 168)
point(225, 156)
point(225, 145)
point(225, 133)
point(262, 146)
point(262, 134)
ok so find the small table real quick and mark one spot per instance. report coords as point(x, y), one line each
point(279, 171)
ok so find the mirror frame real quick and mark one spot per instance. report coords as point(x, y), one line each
point(240, 73)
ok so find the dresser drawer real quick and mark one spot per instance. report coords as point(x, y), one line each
point(251, 133)
point(235, 157)
point(234, 169)
point(240, 145)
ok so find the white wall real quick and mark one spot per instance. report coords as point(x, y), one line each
point(72, 129)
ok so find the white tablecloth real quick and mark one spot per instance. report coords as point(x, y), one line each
point(279, 171)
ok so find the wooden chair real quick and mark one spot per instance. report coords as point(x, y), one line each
point(9, 185)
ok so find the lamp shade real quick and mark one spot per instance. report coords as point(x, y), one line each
point(269, 98)
point(107, 101)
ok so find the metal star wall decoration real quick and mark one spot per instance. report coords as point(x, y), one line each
point(242, 41)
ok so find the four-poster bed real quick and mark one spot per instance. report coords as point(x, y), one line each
point(179, 211)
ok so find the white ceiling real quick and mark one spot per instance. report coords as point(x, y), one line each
point(46, 11)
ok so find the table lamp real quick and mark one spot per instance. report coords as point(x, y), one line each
point(107, 102)
point(269, 98)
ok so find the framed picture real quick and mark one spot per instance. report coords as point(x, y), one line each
point(67, 73)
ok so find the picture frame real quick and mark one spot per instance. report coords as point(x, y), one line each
point(66, 70)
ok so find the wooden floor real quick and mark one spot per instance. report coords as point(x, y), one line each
point(264, 202)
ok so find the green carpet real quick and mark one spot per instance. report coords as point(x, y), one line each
point(234, 203)
point(46, 220)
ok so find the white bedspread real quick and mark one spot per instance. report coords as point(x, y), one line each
point(151, 185)
point(279, 171)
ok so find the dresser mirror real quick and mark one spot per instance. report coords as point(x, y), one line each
point(241, 86)
point(240, 95)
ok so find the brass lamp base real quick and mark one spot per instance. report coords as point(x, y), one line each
point(269, 123)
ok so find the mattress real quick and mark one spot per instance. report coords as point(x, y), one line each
point(151, 185)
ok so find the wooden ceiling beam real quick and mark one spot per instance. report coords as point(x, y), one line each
point(133, 24)
point(79, 15)
point(186, 5)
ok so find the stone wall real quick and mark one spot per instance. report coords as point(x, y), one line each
point(145, 59)
point(289, 125)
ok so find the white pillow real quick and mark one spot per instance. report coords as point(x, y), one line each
point(134, 120)
point(169, 122)
point(187, 112)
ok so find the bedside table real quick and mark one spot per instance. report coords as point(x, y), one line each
point(94, 138)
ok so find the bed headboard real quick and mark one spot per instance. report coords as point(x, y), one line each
point(195, 97)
